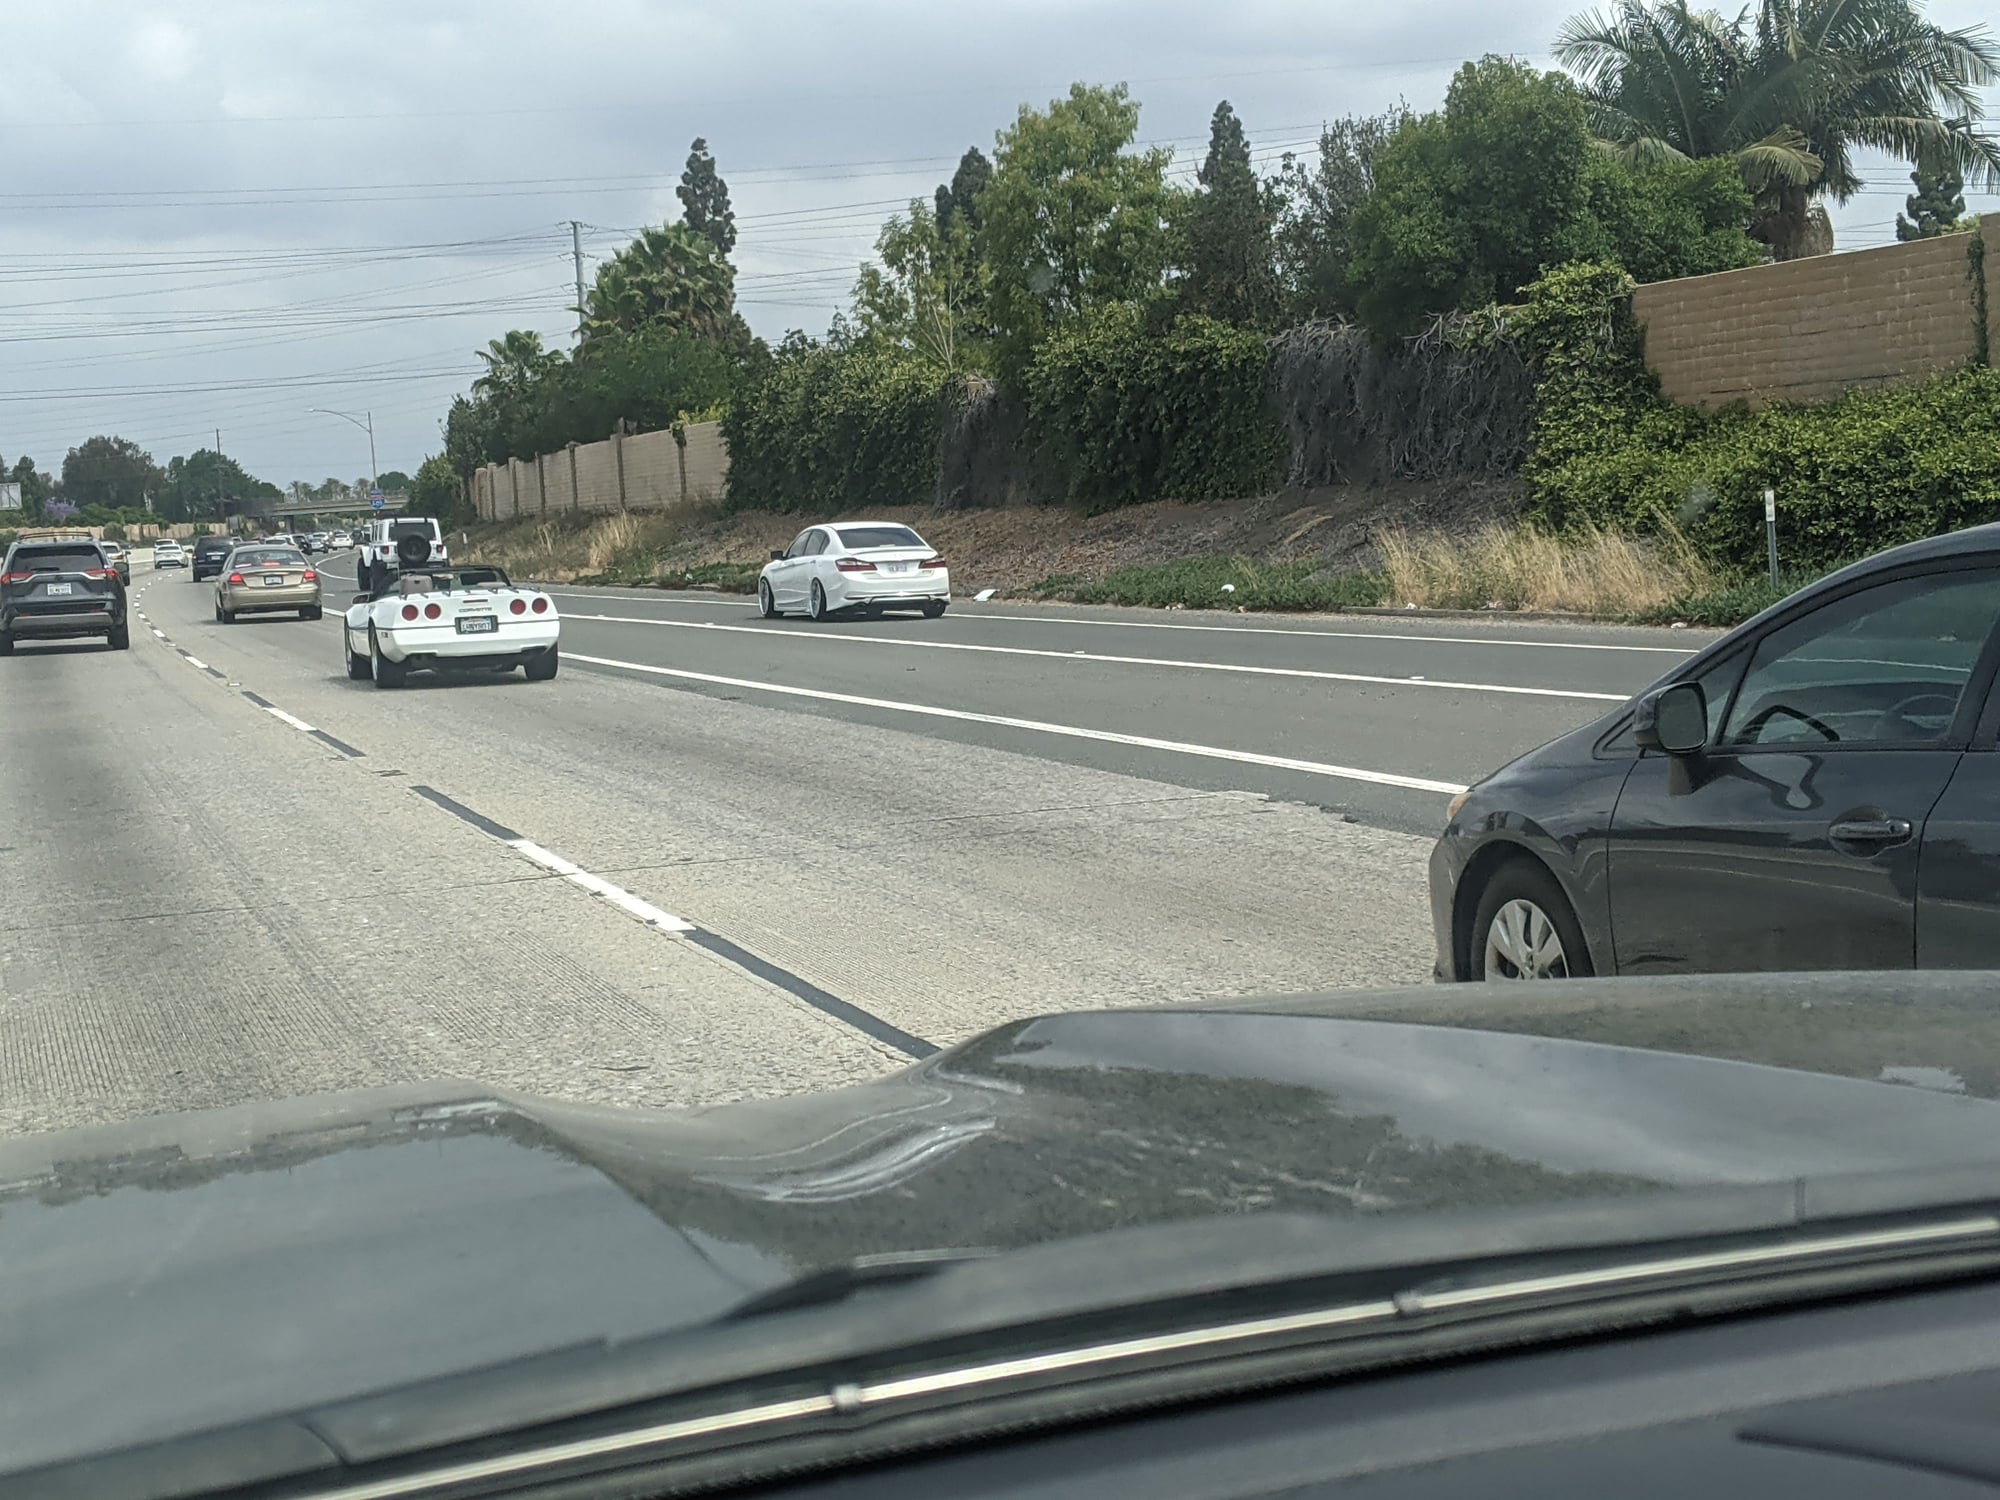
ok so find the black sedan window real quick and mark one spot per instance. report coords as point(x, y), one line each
point(1883, 665)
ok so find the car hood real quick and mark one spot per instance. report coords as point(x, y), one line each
point(179, 1272)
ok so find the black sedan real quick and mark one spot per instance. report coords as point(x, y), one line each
point(1819, 789)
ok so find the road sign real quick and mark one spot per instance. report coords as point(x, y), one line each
point(375, 500)
point(10, 495)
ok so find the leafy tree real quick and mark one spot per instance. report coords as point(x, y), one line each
point(1231, 275)
point(1071, 218)
point(199, 483)
point(109, 471)
point(1790, 91)
point(958, 201)
point(1471, 204)
point(37, 488)
point(1314, 233)
point(1938, 204)
point(929, 292)
point(671, 274)
point(437, 491)
point(1674, 218)
point(391, 480)
point(705, 200)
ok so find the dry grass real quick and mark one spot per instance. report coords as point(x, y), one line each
point(1522, 567)
point(565, 550)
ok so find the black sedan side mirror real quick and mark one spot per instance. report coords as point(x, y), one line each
point(1674, 719)
point(778, 556)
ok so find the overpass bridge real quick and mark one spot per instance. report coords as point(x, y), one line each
point(290, 511)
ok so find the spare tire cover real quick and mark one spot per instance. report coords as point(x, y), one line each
point(413, 550)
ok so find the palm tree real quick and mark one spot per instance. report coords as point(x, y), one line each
point(669, 274)
point(511, 361)
point(1790, 92)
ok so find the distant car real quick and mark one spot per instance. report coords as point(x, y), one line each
point(389, 547)
point(316, 541)
point(118, 557)
point(259, 580)
point(206, 557)
point(445, 617)
point(339, 539)
point(169, 554)
point(58, 589)
point(1815, 790)
point(857, 565)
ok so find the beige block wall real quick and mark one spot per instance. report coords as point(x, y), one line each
point(652, 463)
point(1808, 329)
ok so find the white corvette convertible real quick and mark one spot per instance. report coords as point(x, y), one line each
point(470, 618)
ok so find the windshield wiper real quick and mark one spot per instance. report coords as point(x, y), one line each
point(864, 1273)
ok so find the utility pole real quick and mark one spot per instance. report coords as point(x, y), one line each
point(576, 254)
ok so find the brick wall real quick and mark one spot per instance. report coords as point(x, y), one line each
point(1808, 329)
point(640, 472)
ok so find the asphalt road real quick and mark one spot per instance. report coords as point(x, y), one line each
point(718, 856)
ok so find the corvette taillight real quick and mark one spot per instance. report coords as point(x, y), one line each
point(431, 611)
point(519, 607)
point(541, 606)
point(409, 611)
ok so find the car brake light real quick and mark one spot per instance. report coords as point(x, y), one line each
point(931, 562)
point(409, 611)
point(16, 578)
point(235, 577)
point(855, 565)
point(311, 576)
point(519, 606)
point(99, 573)
point(541, 606)
point(431, 611)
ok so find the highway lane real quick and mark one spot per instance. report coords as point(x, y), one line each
point(934, 885)
point(205, 905)
point(1375, 718)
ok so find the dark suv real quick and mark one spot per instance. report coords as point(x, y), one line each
point(208, 554)
point(53, 589)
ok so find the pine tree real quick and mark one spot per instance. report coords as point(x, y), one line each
point(705, 199)
point(959, 200)
point(1230, 273)
point(1939, 201)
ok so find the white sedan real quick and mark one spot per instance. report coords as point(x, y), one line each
point(470, 618)
point(854, 565)
point(169, 554)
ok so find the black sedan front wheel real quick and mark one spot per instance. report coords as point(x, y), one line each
point(1524, 928)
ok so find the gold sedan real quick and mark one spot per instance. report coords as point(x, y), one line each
point(256, 580)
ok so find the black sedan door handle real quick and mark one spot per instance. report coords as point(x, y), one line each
point(1880, 833)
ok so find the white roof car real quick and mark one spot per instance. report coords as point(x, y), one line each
point(450, 617)
point(870, 566)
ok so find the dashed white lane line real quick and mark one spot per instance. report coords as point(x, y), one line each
point(617, 895)
point(1037, 726)
point(1299, 632)
point(299, 724)
point(157, 631)
point(1365, 679)
point(195, 661)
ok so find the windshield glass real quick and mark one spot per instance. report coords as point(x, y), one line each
point(1440, 663)
point(860, 538)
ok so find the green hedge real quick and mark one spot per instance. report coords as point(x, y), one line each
point(1863, 471)
point(829, 428)
point(1128, 414)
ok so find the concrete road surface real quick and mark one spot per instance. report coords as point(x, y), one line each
point(718, 856)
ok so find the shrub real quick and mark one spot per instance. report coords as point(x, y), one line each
point(830, 427)
point(1132, 415)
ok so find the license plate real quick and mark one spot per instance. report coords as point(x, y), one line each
point(271, 579)
point(59, 588)
point(908, 567)
point(478, 624)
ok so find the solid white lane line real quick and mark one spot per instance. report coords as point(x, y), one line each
point(299, 724)
point(1308, 633)
point(618, 896)
point(1068, 731)
point(1128, 661)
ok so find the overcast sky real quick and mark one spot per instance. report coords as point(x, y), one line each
point(220, 215)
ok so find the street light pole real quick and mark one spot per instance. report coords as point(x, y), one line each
point(367, 426)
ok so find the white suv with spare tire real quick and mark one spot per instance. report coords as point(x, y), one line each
point(386, 548)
